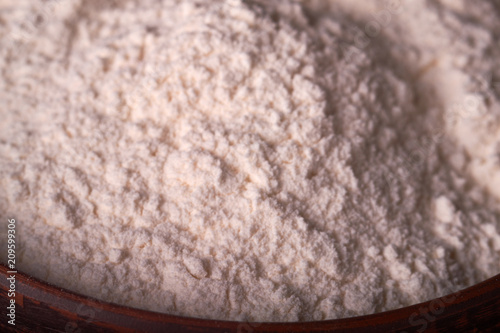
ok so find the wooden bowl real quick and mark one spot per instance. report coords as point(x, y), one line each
point(41, 307)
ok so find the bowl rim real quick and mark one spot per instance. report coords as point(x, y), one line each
point(421, 315)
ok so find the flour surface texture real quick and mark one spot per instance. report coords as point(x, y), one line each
point(251, 160)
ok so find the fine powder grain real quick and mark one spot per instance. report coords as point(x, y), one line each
point(251, 160)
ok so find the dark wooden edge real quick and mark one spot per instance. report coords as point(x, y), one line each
point(40, 305)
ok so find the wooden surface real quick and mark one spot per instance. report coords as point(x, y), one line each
point(44, 308)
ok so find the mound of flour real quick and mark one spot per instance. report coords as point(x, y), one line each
point(237, 159)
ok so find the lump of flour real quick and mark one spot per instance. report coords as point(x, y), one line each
point(236, 159)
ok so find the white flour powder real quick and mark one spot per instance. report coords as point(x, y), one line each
point(254, 161)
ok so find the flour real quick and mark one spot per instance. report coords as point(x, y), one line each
point(247, 160)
